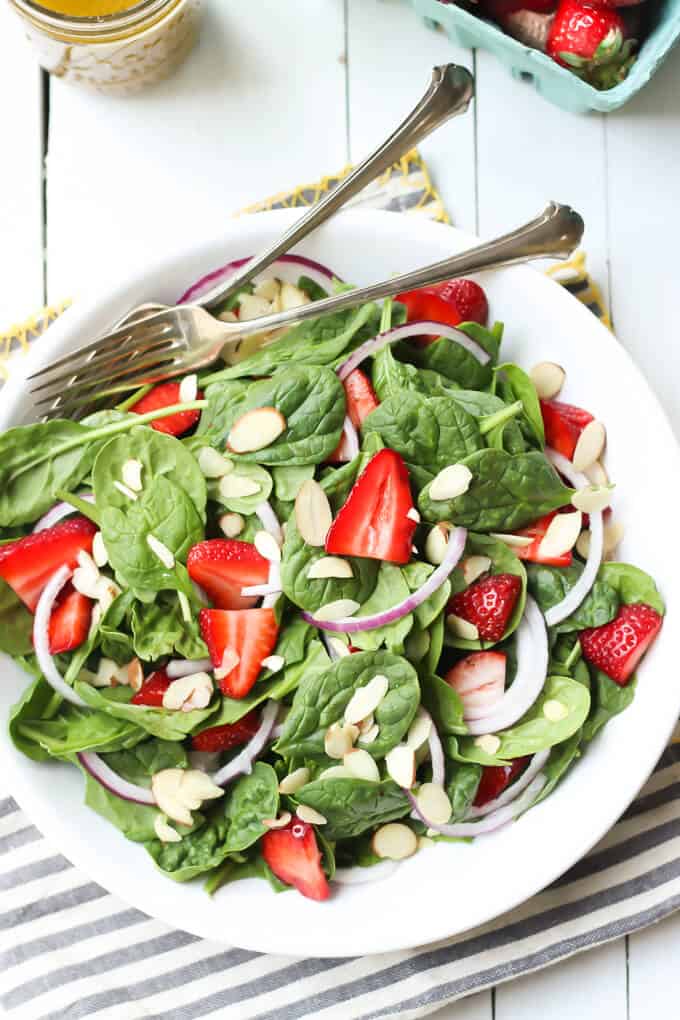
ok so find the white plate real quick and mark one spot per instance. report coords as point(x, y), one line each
point(452, 887)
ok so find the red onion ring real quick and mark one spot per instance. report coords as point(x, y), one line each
point(41, 636)
point(59, 511)
point(112, 782)
point(532, 665)
point(463, 830)
point(288, 268)
point(350, 625)
point(259, 590)
point(352, 440)
point(436, 753)
point(269, 521)
point(411, 329)
point(187, 667)
point(573, 599)
point(513, 791)
point(243, 762)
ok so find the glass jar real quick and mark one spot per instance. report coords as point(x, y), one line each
point(116, 53)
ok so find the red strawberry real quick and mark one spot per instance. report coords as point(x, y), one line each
point(488, 604)
point(479, 681)
point(495, 778)
point(222, 566)
point(533, 552)
point(224, 738)
point(361, 400)
point(165, 395)
point(152, 690)
point(249, 633)
point(70, 620)
point(452, 302)
point(589, 40)
point(28, 563)
point(374, 521)
point(563, 424)
point(617, 647)
point(294, 857)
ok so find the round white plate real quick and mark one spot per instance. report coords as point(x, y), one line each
point(452, 887)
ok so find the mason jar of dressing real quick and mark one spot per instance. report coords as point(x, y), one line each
point(112, 46)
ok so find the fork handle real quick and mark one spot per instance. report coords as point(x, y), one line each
point(448, 95)
point(556, 233)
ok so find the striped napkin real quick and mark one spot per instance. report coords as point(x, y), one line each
point(68, 949)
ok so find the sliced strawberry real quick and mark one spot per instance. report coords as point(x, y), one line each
point(152, 690)
point(223, 738)
point(374, 521)
point(70, 620)
point(563, 424)
point(452, 302)
point(533, 552)
point(617, 647)
point(488, 604)
point(479, 681)
point(28, 563)
point(495, 779)
point(361, 400)
point(294, 857)
point(249, 633)
point(165, 395)
point(222, 566)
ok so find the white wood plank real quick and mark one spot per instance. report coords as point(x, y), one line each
point(255, 110)
point(390, 56)
point(21, 267)
point(653, 974)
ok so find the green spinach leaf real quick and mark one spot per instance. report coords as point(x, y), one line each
point(353, 806)
point(549, 585)
point(160, 722)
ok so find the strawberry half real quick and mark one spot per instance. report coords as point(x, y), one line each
point(451, 303)
point(222, 566)
point(28, 563)
point(496, 778)
point(479, 681)
point(617, 647)
point(533, 552)
point(488, 604)
point(152, 690)
point(223, 738)
point(361, 400)
point(249, 633)
point(374, 521)
point(563, 424)
point(294, 857)
point(165, 395)
point(70, 620)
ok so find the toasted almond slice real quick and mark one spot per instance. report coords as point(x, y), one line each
point(474, 566)
point(189, 692)
point(313, 515)
point(597, 474)
point(273, 663)
point(451, 482)
point(267, 546)
point(337, 610)
point(436, 542)
point(555, 710)
point(462, 628)
point(294, 781)
point(188, 388)
point(488, 742)
point(394, 842)
point(236, 486)
point(309, 814)
point(106, 675)
point(338, 646)
point(161, 551)
point(589, 446)
point(134, 674)
point(330, 566)
point(365, 724)
point(335, 772)
point(366, 699)
point(277, 823)
point(413, 515)
point(124, 490)
point(131, 473)
point(516, 541)
point(339, 739)
point(292, 297)
point(419, 731)
point(184, 607)
point(99, 553)
point(86, 576)
point(561, 536)
point(230, 660)
point(361, 765)
point(434, 803)
point(592, 498)
point(401, 765)
point(212, 463)
point(267, 289)
point(231, 525)
point(165, 787)
point(197, 786)
point(164, 831)
point(252, 307)
point(548, 378)
point(255, 430)
point(370, 734)
point(227, 316)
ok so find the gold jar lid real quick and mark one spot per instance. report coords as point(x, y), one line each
point(128, 21)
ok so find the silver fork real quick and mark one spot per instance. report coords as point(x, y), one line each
point(187, 338)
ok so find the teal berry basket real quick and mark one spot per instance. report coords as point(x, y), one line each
point(557, 84)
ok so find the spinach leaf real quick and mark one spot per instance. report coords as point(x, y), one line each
point(38, 701)
point(461, 786)
point(160, 722)
point(632, 585)
point(608, 700)
point(243, 504)
point(443, 704)
point(561, 758)
point(522, 388)
point(489, 339)
point(352, 806)
point(436, 645)
point(503, 561)
point(239, 866)
point(549, 585)
point(416, 574)
point(391, 587)
point(451, 360)
point(16, 623)
point(158, 629)
point(321, 700)
point(287, 480)
point(506, 492)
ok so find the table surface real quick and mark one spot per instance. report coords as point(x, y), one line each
point(279, 94)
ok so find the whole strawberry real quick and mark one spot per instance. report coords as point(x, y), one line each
point(590, 41)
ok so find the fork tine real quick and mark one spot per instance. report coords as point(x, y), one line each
point(92, 369)
point(137, 374)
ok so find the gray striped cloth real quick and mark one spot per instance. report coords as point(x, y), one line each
point(68, 949)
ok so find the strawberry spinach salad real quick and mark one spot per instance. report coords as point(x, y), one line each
point(346, 596)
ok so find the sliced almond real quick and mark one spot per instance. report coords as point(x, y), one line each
point(462, 628)
point(394, 842)
point(131, 473)
point(227, 316)
point(339, 739)
point(267, 289)
point(106, 675)
point(164, 831)
point(488, 742)
point(330, 566)
point(336, 772)
point(184, 607)
point(188, 388)
point(124, 490)
point(230, 660)
point(474, 566)
point(309, 814)
point(514, 541)
point(197, 786)
point(86, 576)
point(338, 610)
point(437, 542)
point(255, 430)
point(189, 692)
point(313, 515)
point(597, 474)
point(548, 378)
point(106, 592)
point(434, 803)
point(267, 546)
point(361, 765)
point(231, 525)
point(365, 724)
point(451, 482)
point(294, 781)
point(592, 498)
point(555, 710)
point(165, 786)
point(401, 765)
point(366, 699)
point(561, 536)
point(161, 551)
point(273, 663)
point(99, 553)
point(589, 446)
point(237, 487)
point(212, 463)
point(419, 730)
point(134, 674)
point(251, 306)
point(370, 734)
point(292, 297)
point(338, 646)
point(278, 823)
point(413, 515)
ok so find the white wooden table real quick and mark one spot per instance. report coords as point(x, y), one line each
point(280, 93)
